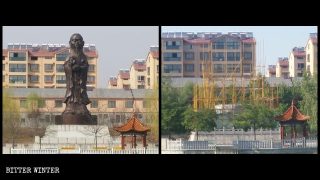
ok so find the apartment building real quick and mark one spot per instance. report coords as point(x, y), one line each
point(297, 62)
point(271, 72)
point(112, 83)
point(143, 73)
point(138, 74)
point(123, 79)
point(41, 66)
point(231, 54)
point(152, 68)
point(282, 68)
point(312, 54)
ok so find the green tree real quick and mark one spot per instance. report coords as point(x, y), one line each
point(34, 103)
point(309, 103)
point(255, 116)
point(11, 118)
point(152, 105)
point(174, 102)
point(202, 120)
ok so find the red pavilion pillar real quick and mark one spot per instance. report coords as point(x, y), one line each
point(144, 142)
point(305, 133)
point(281, 132)
point(122, 141)
point(134, 141)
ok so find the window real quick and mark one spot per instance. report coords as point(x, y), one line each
point(188, 56)
point(247, 55)
point(3, 78)
point(246, 68)
point(17, 79)
point(140, 86)
point(94, 104)
point(174, 56)
point(23, 103)
point(126, 86)
point(129, 104)
point(47, 57)
point(148, 71)
point(59, 68)
point(148, 81)
point(58, 103)
point(34, 67)
point(233, 45)
point(62, 56)
point(233, 68)
point(218, 45)
point(157, 68)
point(91, 79)
point(218, 56)
point(218, 68)
point(204, 56)
point(204, 45)
point(48, 79)
point(188, 46)
point(60, 79)
point(140, 78)
point(3, 58)
point(15, 56)
point(17, 68)
point(91, 67)
point(233, 56)
point(308, 58)
point(34, 79)
point(48, 67)
point(172, 68)
point(34, 58)
point(188, 67)
point(300, 66)
point(172, 44)
point(247, 45)
point(111, 104)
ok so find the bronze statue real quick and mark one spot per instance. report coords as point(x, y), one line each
point(76, 98)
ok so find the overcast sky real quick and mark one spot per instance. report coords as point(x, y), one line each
point(117, 46)
point(272, 41)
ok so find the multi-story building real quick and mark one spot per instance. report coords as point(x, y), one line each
point(271, 72)
point(138, 74)
point(232, 54)
point(152, 64)
point(123, 79)
point(41, 66)
point(112, 83)
point(282, 68)
point(111, 106)
point(297, 62)
point(312, 54)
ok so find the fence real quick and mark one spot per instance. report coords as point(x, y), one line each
point(84, 151)
point(278, 144)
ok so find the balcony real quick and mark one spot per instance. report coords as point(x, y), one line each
point(172, 47)
point(172, 58)
point(17, 58)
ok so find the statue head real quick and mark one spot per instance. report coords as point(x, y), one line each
point(76, 41)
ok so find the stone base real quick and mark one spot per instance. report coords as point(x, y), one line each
point(77, 114)
point(77, 119)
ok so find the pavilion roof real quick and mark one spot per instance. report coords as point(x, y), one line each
point(133, 125)
point(292, 114)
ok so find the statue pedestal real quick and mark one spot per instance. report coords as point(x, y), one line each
point(77, 114)
point(83, 136)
